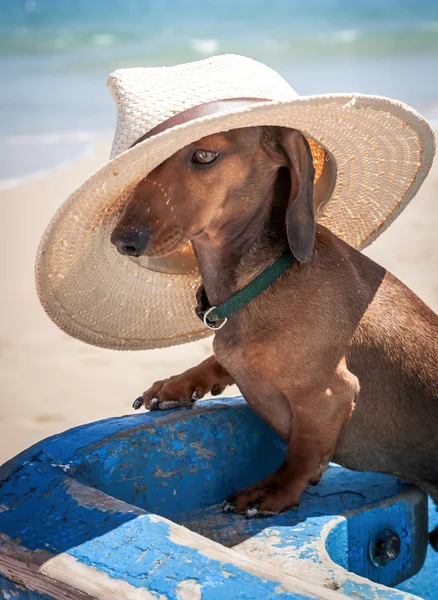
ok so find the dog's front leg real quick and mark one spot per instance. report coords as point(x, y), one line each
point(182, 390)
point(318, 416)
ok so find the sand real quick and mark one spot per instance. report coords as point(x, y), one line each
point(50, 382)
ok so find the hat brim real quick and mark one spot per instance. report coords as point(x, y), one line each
point(383, 150)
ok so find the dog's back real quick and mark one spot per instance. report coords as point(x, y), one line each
point(394, 354)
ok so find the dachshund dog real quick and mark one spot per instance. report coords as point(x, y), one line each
point(337, 356)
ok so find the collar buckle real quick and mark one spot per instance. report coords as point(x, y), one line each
point(212, 324)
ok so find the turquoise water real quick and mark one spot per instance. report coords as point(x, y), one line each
point(55, 56)
point(165, 30)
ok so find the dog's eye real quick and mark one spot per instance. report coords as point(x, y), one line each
point(204, 157)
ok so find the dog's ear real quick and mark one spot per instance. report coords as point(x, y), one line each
point(300, 216)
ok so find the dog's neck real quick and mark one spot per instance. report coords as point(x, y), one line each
point(242, 250)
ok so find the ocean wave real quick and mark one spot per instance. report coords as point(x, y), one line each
point(103, 39)
point(344, 36)
point(167, 43)
point(206, 47)
point(49, 139)
point(13, 182)
point(25, 39)
point(32, 156)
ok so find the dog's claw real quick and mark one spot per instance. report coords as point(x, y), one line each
point(154, 404)
point(138, 403)
point(157, 404)
point(227, 507)
point(252, 512)
point(195, 396)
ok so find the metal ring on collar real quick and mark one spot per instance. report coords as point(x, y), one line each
point(204, 318)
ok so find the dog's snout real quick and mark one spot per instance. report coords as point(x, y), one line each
point(132, 242)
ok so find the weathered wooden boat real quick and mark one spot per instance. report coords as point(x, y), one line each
point(131, 508)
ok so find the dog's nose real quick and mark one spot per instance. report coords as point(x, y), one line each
point(132, 242)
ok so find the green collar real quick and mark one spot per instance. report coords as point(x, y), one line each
point(211, 315)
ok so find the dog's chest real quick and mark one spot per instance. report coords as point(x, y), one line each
point(254, 367)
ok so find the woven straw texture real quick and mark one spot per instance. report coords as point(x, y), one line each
point(382, 150)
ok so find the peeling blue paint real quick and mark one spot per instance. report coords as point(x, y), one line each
point(180, 465)
point(425, 583)
point(358, 532)
point(13, 591)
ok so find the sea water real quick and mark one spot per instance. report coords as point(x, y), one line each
point(55, 56)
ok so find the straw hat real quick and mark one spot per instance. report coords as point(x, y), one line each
point(371, 155)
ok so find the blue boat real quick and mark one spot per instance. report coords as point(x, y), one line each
point(130, 507)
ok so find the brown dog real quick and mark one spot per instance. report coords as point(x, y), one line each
point(338, 356)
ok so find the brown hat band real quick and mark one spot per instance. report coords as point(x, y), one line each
point(196, 112)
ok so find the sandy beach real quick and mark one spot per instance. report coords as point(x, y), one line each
point(50, 382)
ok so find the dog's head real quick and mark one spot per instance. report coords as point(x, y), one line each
point(218, 186)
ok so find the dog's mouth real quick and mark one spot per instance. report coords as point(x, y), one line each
point(175, 257)
point(166, 242)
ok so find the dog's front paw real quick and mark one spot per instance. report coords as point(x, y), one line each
point(157, 404)
point(179, 391)
point(264, 499)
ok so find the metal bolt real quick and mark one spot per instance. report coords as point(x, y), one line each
point(385, 547)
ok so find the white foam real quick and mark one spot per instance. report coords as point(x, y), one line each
point(49, 139)
point(103, 39)
point(205, 47)
point(17, 181)
point(82, 144)
point(345, 36)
